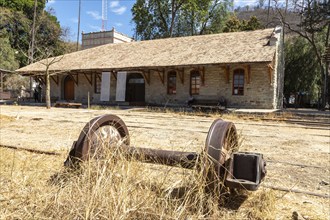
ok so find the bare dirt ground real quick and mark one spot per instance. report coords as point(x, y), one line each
point(298, 155)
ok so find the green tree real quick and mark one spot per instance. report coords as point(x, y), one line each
point(252, 24)
point(48, 35)
point(315, 29)
point(16, 21)
point(301, 68)
point(221, 14)
point(160, 19)
point(233, 24)
point(8, 61)
point(25, 6)
point(16, 26)
point(203, 17)
point(155, 18)
point(18, 29)
point(7, 54)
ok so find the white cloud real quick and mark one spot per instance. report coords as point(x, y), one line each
point(95, 14)
point(51, 2)
point(118, 24)
point(114, 4)
point(119, 11)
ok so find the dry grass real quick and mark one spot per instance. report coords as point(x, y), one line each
point(5, 118)
point(37, 186)
point(129, 189)
point(263, 204)
point(223, 114)
point(102, 107)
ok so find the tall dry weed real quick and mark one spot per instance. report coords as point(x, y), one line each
point(112, 186)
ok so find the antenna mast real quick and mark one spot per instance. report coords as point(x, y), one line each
point(104, 14)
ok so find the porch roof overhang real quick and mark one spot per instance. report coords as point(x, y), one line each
point(130, 69)
point(181, 52)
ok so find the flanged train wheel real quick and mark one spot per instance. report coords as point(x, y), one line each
point(100, 132)
point(220, 143)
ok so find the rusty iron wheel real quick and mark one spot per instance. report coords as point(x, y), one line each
point(104, 130)
point(220, 143)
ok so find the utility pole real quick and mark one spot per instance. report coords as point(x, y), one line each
point(31, 55)
point(78, 34)
point(33, 33)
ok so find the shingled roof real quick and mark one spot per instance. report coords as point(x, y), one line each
point(224, 48)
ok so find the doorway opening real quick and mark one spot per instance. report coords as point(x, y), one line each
point(68, 88)
point(135, 88)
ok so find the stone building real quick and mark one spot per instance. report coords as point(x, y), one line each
point(94, 39)
point(244, 68)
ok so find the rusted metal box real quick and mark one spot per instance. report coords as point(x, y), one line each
point(246, 170)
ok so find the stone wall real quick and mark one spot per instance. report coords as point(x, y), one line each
point(258, 93)
point(81, 90)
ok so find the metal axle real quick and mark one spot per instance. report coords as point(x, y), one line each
point(182, 159)
point(221, 164)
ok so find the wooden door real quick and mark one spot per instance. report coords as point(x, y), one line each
point(68, 88)
point(135, 88)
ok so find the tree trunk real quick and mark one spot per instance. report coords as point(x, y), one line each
point(325, 86)
point(48, 104)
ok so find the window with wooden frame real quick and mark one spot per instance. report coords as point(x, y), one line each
point(195, 82)
point(238, 82)
point(97, 83)
point(171, 83)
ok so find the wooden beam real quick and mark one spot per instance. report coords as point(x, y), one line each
point(202, 70)
point(248, 73)
point(146, 76)
point(41, 80)
point(98, 75)
point(75, 78)
point(89, 79)
point(55, 80)
point(270, 71)
point(226, 70)
point(114, 74)
point(1, 82)
point(181, 75)
point(161, 75)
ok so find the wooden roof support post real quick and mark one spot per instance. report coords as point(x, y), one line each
point(114, 74)
point(270, 71)
point(75, 78)
point(1, 82)
point(248, 71)
point(98, 75)
point(203, 75)
point(41, 80)
point(55, 80)
point(161, 75)
point(146, 76)
point(89, 79)
point(181, 75)
point(226, 70)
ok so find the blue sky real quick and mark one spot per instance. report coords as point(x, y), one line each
point(119, 15)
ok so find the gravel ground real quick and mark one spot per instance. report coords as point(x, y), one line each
point(298, 155)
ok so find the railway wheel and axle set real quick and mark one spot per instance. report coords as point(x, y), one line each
point(220, 162)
